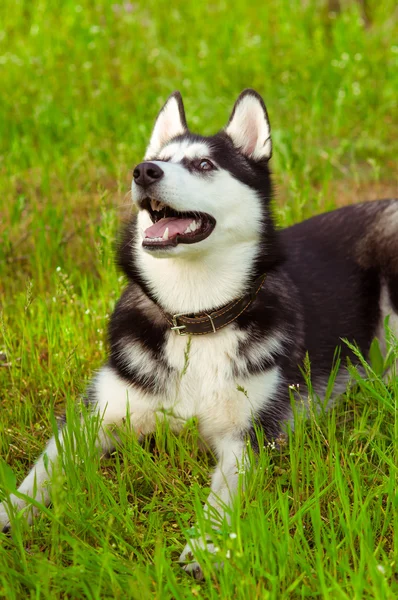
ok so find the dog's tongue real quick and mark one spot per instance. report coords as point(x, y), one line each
point(174, 224)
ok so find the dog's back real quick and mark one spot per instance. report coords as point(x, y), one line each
point(344, 265)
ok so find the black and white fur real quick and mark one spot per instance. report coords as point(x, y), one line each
point(331, 277)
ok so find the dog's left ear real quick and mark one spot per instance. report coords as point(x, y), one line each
point(249, 127)
point(170, 122)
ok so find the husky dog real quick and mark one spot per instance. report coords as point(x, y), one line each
point(221, 307)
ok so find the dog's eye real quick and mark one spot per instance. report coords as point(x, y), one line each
point(204, 165)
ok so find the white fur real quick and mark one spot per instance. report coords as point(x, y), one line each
point(210, 273)
point(262, 350)
point(387, 310)
point(225, 480)
point(34, 486)
point(137, 358)
point(176, 151)
point(190, 278)
point(168, 125)
point(208, 390)
point(249, 128)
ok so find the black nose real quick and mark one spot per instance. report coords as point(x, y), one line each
point(147, 173)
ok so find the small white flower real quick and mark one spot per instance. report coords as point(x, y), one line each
point(58, 269)
point(381, 569)
point(228, 554)
point(233, 536)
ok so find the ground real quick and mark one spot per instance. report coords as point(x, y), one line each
point(80, 87)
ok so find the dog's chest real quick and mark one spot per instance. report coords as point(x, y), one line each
point(206, 385)
point(206, 377)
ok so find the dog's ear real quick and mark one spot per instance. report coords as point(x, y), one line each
point(249, 127)
point(169, 123)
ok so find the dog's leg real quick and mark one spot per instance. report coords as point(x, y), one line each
point(36, 484)
point(111, 400)
point(232, 461)
point(33, 482)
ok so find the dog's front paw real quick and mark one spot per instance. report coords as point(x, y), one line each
point(4, 519)
point(194, 570)
point(12, 506)
point(188, 556)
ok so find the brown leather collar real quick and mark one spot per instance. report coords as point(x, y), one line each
point(200, 324)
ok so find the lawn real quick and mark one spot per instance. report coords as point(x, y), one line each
point(81, 84)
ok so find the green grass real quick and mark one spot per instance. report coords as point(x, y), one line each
point(80, 87)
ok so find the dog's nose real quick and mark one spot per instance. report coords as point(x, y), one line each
point(147, 173)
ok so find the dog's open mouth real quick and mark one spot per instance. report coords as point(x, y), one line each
point(171, 228)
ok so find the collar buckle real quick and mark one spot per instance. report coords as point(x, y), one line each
point(176, 327)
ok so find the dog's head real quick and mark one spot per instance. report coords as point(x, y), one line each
point(198, 193)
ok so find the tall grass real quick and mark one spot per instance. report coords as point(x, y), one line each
point(80, 87)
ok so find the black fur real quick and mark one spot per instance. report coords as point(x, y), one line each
point(323, 286)
point(319, 290)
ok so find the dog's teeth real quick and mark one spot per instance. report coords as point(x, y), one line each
point(166, 234)
point(192, 227)
point(156, 205)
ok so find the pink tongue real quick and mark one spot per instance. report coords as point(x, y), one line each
point(174, 224)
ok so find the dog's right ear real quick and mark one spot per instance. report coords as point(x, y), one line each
point(169, 123)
